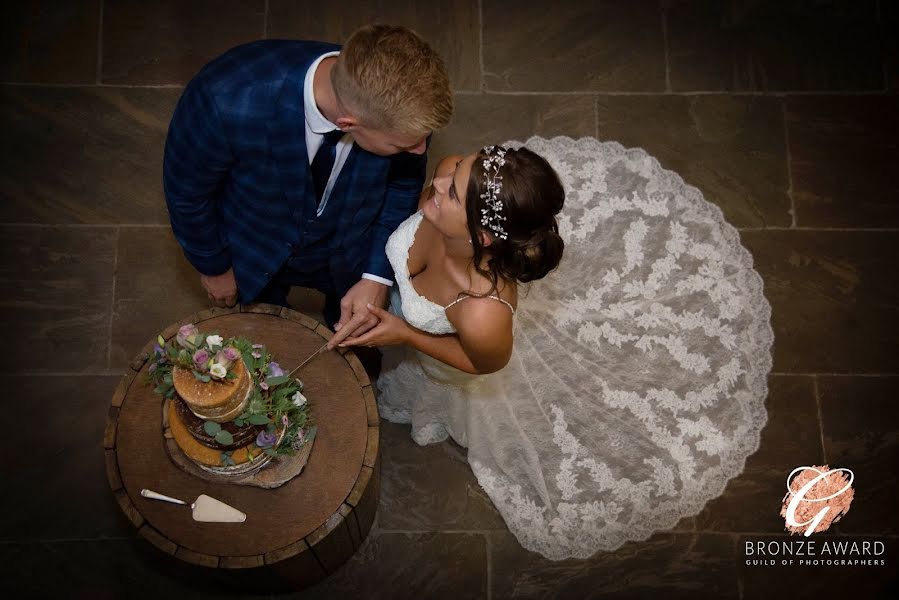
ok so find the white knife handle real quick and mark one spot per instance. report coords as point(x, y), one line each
point(157, 496)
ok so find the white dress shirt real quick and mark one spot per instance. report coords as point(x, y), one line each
point(316, 127)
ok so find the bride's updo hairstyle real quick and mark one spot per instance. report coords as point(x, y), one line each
point(531, 196)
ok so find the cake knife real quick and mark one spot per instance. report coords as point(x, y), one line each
point(311, 356)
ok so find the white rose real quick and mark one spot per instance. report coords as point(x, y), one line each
point(299, 399)
point(214, 340)
point(218, 371)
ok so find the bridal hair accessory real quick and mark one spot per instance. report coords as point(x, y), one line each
point(492, 215)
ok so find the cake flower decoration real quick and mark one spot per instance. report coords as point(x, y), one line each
point(275, 403)
point(266, 439)
point(185, 334)
point(218, 371)
point(201, 360)
point(226, 356)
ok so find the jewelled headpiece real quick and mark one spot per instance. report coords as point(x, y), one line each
point(492, 216)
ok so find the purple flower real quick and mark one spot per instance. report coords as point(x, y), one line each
point(263, 385)
point(255, 354)
point(257, 346)
point(275, 369)
point(157, 350)
point(284, 420)
point(152, 368)
point(186, 332)
point(226, 356)
point(266, 439)
point(201, 359)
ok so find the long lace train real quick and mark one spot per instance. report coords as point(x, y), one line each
point(637, 384)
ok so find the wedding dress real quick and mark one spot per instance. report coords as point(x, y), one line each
point(638, 378)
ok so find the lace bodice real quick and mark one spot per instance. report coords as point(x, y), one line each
point(415, 308)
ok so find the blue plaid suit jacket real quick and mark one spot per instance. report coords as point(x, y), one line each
point(237, 179)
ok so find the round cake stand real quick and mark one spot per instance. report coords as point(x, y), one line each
point(294, 535)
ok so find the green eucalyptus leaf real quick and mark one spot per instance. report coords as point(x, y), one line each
point(259, 419)
point(224, 437)
point(270, 451)
point(211, 427)
point(273, 381)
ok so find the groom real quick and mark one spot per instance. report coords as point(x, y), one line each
point(291, 163)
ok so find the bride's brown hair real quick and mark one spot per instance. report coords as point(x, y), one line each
point(532, 196)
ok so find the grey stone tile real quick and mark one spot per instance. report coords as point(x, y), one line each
point(50, 41)
point(481, 119)
point(731, 148)
point(106, 569)
point(155, 287)
point(169, 41)
point(665, 566)
point(57, 486)
point(835, 305)
point(791, 438)
point(407, 565)
point(450, 26)
point(843, 154)
point(83, 155)
point(861, 433)
point(573, 46)
point(429, 488)
point(773, 46)
point(56, 290)
point(796, 580)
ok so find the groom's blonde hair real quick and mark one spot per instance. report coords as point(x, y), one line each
point(392, 80)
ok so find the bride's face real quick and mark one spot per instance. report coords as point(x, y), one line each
point(446, 204)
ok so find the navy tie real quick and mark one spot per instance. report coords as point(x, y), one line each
point(324, 162)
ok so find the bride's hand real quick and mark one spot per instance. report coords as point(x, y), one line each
point(391, 330)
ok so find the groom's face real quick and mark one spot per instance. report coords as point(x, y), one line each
point(385, 143)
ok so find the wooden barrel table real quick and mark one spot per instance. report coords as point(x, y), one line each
point(294, 535)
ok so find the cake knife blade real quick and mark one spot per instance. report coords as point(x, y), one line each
point(311, 356)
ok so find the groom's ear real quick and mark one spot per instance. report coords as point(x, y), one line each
point(346, 123)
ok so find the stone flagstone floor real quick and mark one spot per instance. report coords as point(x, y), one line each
point(782, 113)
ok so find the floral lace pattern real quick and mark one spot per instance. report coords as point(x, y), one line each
point(638, 379)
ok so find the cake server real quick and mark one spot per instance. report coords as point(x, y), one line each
point(205, 508)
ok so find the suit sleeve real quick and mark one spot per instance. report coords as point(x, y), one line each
point(404, 184)
point(196, 161)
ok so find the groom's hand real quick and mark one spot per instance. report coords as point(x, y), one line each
point(221, 289)
point(355, 318)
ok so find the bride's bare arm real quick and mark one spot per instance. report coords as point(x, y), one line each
point(482, 342)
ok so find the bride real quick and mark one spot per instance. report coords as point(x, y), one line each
point(613, 397)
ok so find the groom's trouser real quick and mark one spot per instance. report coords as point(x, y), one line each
point(296, 271)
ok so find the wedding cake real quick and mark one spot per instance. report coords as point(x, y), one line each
point(229, 407)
